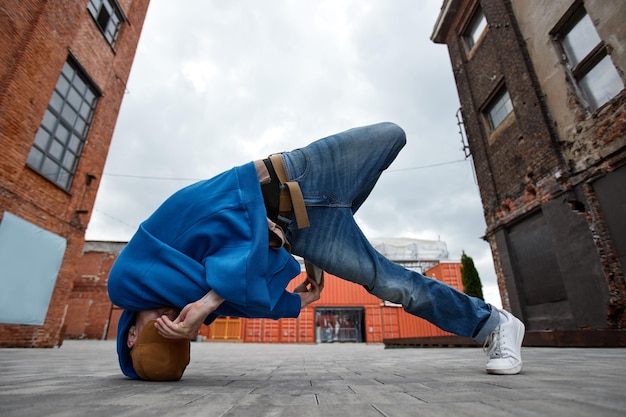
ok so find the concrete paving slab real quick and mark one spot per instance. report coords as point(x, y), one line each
point(343, 380)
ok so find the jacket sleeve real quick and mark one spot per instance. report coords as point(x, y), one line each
point(149, 274)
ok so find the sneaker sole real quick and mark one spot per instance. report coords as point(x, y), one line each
point(510, 371)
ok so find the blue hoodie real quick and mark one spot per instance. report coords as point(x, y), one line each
point(209, 235)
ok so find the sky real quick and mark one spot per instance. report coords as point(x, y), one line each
point(218, 83)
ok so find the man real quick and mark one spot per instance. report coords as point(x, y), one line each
point(205, 252)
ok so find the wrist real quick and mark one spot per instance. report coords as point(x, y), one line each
point(211, 301)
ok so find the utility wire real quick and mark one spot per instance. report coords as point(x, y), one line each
point(147, 177)
point(130, 226)
point(427, 166)
point(144, 177)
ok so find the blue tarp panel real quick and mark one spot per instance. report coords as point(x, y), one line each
point(30, 259)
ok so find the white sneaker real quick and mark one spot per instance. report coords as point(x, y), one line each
point(504, 346)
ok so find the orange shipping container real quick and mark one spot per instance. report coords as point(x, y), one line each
point(448, 272)
point(346, 312)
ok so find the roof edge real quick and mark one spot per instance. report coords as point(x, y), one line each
point(444, 20)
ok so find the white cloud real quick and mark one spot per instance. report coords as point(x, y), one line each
point(218, 83)
point(202, 74)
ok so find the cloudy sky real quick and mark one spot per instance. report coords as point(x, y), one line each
point(217, 83)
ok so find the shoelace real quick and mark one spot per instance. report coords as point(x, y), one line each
point(491, 347)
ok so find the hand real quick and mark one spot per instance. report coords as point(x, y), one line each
point(188, 323)
point(309, 290)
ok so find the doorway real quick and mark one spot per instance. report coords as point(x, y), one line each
point(339, 324)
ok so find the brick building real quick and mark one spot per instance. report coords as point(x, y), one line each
point(89, 309)
point(541, 86)
point(345, 312)
point(63, 71)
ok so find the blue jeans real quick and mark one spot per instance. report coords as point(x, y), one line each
point(336, 174)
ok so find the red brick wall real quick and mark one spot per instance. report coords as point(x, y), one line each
point(35, 38)
point(89, 307)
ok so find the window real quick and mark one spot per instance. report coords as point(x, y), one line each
point(59, 141)
point(475, 29)
point(587, 60)
point(499, 109)
point(108, 16)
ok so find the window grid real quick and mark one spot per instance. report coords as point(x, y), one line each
point(63, 130)
point(500, 109)
point(107, 17)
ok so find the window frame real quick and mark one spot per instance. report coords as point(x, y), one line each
point(62, 134)
point(113, 9)
point(471, 35)
point(577, 71)
point(494, 104)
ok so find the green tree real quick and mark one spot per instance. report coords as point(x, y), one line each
point(471, 280)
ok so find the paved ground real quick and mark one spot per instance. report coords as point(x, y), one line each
point(81, 378)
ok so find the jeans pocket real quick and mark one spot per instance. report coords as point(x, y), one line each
point(297, 164)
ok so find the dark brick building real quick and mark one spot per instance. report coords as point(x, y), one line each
point(63, 72)
point(541, 86)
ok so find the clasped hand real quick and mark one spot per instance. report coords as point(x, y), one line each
point(188, 323)
point(309, 290)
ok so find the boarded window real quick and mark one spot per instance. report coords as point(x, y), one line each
point(535, 262)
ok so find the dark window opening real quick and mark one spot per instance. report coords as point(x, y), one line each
point(108, 17)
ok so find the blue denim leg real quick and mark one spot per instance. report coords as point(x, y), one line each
point(336, 174)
